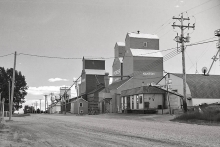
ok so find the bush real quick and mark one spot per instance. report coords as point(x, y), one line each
point(208, 113)
point(188, 116)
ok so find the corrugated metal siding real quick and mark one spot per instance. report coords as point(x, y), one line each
point(128, 63)
point(116, 70)
point(83, 84)
point(138, 43)
point(148, 64)
point(91, 82)
point(119, 51)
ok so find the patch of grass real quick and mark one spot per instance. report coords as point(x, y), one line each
point(209, 114)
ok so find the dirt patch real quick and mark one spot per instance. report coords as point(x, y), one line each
point(11, 137)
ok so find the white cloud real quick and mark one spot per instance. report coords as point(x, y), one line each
point(56, 79)
point(42, 90)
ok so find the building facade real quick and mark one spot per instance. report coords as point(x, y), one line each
point(79, 106)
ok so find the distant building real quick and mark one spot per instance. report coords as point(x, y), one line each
point(93, 75)
point(79, 106)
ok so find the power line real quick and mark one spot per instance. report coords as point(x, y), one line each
point(207, 9)
point(46, 56)
point(91, 58)
point(161, 26)
point(201, 43)
point(197, 6)
point(7, 55)
point(70, 58)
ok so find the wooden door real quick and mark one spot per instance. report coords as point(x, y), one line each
point(146, 105)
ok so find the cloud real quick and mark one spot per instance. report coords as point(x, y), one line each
point(42, 90)
point(56, 79)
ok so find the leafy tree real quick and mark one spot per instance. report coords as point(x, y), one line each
point(28, 109)
point(19, 90)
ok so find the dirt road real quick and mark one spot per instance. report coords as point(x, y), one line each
point(106, 130)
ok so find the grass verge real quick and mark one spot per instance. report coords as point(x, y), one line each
point(208, 114)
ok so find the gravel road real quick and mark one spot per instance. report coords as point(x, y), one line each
point(43, 130)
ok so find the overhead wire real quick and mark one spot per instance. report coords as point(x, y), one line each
point(7, 55)
point(197, 6)
point(206, 9)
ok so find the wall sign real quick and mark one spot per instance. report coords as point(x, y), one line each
point(148, 73)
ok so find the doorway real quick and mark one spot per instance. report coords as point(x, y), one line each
point(146, 105)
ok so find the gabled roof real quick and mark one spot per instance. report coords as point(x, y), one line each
point(146, 53)
point(115, 85)
point(120, 43)
point(203, 86)
point(140, 35)
point(142, 90)
point(79, 99)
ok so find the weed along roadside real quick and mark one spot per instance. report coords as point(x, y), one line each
point(204, 115)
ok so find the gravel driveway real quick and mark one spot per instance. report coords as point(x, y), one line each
point(44, 130)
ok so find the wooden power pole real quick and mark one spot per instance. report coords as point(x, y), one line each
point(45, 102)
point(40, 106)
point(12, 87)
point(182, 40)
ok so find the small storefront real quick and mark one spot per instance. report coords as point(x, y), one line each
point(142, 98)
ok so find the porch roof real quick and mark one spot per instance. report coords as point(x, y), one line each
point(142, 90)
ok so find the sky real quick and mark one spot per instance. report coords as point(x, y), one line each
point(90, 28)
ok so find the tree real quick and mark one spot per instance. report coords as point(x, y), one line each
point(28, 109)
point(20, 86)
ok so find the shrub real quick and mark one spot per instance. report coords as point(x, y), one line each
point(188, 116)
point(208, 113)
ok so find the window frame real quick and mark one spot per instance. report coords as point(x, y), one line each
point(145, 44)
point(80, 104)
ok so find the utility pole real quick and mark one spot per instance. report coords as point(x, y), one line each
point(40, 106)
point(182, 40)
point(217, 33)
point(13, 85)
point(9, 104)
point(45, 102)
point(36, 106)
point(65, 99)
point(32, 108)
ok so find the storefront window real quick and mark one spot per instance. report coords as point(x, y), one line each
point(132, 105)
point(140, 98)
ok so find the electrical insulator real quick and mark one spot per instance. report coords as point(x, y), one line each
point(218, 45)
point(178, 39)
point(187, 38)
point(217, 32)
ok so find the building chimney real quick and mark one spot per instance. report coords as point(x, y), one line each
point(106, 79)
